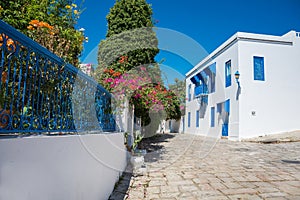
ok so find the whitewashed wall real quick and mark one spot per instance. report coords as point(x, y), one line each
point(220, 95)
point(275, 101)
point(61, 167)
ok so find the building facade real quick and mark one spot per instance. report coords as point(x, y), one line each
point(247, 87)
point(87, 69)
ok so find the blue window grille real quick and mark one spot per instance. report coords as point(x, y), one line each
point(259, 71)
point(228, 73)
point(189, 119)
point(212, 117)
point(201, 89)
point(197, 118)
point(40, 93)
point(189, 92)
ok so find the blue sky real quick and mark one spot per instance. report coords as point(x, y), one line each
point(208, 23)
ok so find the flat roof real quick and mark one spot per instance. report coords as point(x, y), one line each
point(243, 36)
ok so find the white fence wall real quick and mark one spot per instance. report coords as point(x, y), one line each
point(82, 167)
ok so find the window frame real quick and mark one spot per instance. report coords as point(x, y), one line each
point(212, 116)
point(228, 72)
point(259, 70)
point(189, 119)
point(197, 118)
point(189, 92)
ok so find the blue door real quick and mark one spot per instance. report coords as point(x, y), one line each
point(225, 130)
point(226, 120)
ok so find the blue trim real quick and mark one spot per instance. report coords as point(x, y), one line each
point(201, 89)
point(227, 106)
point(194, 81)
point(228, 73)
point(189, 119)
point(258, 68)
point(189, 92)
point(225, 130)
point(197, 118)
point(212, 117)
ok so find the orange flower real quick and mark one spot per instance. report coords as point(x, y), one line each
point(34, 22)
point(106, 70)
point(30, 27)
point(4, 77)
point(48, 26)
point(123, 59)
point(10, 43)
point(116, 74)
point(111, 71)
point(51, 33)
point(1, 40)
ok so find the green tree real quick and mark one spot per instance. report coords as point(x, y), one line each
point(129, 35)
point(178, 88)
point(126, 62)
point(49, 22)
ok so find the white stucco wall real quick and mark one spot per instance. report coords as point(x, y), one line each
point(275, 100)
point(221, 94)
point(61, 167)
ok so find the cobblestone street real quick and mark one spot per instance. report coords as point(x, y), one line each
point(187, 167)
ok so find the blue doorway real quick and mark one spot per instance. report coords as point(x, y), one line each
point(223, 109)
point(225, 130)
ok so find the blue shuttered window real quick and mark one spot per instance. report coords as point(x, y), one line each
point(189, 119)
point(227, 106)
point(189, 92)
point(258, 68)
point(197, 118)
point(212, 117)
point(228, 73)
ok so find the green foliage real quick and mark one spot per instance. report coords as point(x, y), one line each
point(129, 34)
point(128, 15)
point(126, 62)
point(179, 91)
point(137, 139)
point(61, 15)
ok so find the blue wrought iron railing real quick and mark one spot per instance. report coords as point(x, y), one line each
point(201, 89)
point(40, 93)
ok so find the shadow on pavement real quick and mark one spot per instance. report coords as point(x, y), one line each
point(154, 147)
point(154, 151)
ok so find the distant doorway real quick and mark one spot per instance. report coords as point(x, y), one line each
point(223, 110)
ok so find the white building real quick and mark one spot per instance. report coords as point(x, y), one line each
point(265, 99)
point(87, 68)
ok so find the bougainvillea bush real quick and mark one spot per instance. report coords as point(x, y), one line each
point(127, 66)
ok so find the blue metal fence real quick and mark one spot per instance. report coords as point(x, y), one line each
point(40, 93)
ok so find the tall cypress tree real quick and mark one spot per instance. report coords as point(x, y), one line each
point(129, 35)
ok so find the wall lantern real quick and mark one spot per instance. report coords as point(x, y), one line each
point(237, 77)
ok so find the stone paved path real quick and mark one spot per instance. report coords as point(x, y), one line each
point(192, 167)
